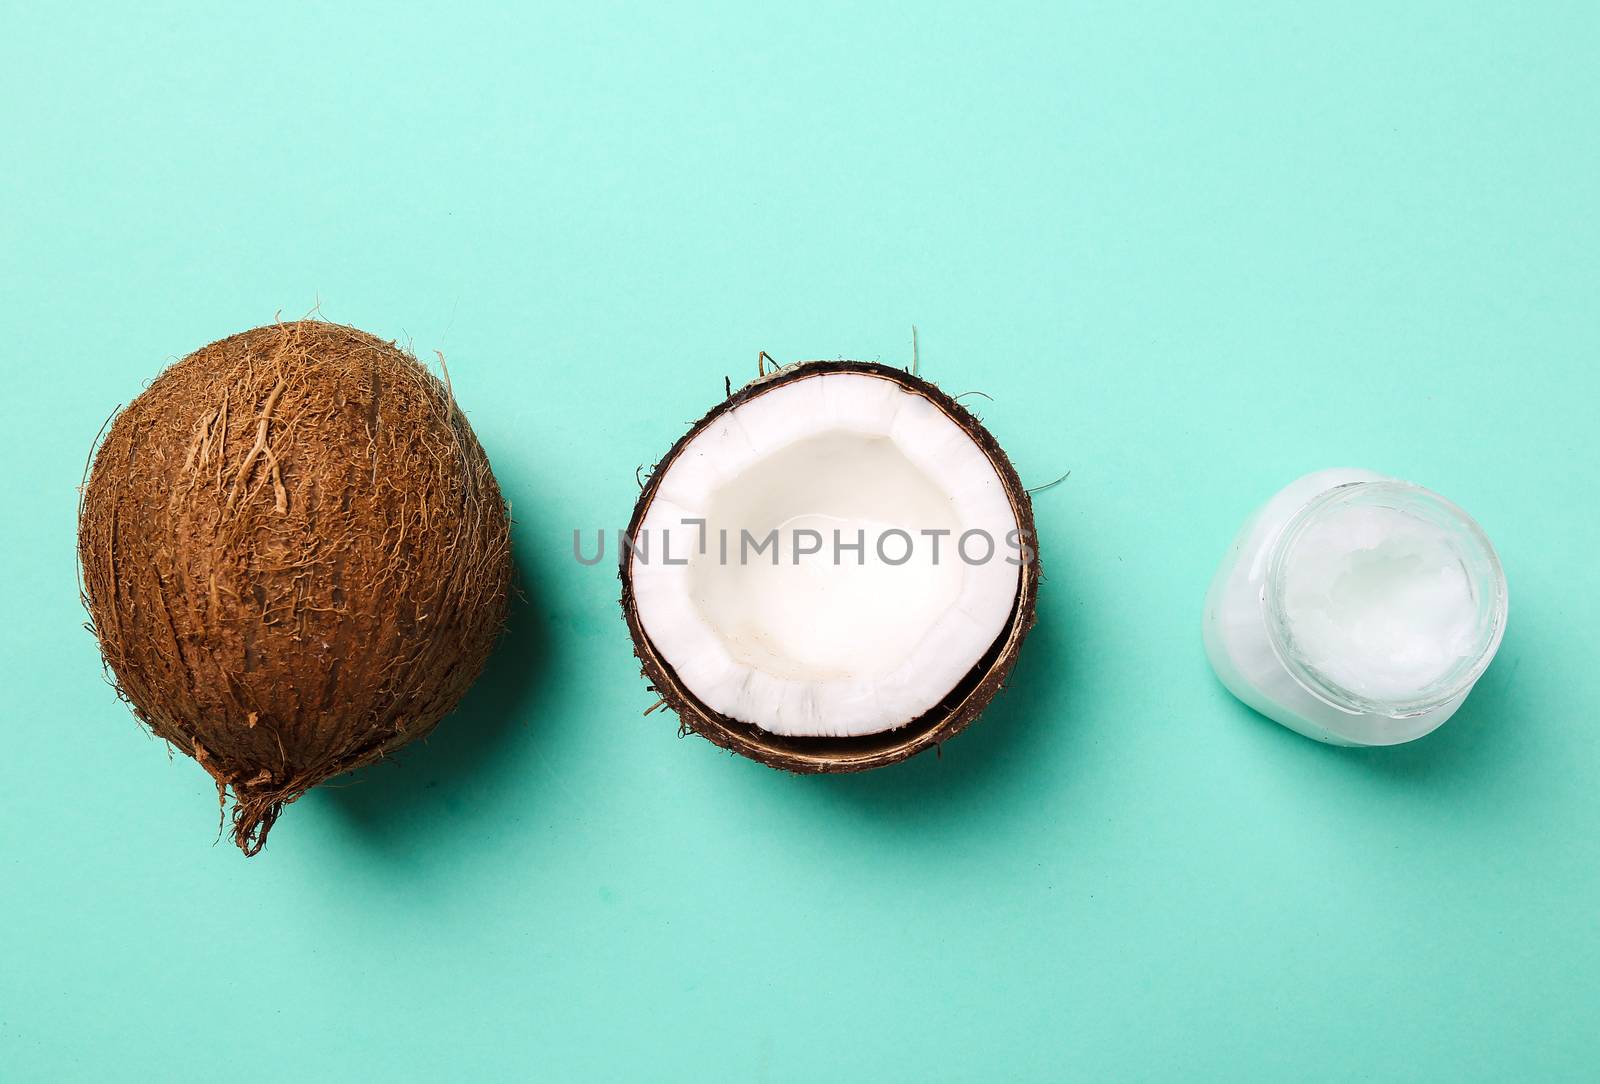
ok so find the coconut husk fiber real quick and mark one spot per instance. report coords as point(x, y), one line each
point(295, 558)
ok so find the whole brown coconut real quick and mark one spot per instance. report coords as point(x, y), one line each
point(295, 558)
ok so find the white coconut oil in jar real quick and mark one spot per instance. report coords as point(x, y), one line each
point(1356, 609)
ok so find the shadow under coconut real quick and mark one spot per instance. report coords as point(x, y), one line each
point(443, 778)
point(1040, 697)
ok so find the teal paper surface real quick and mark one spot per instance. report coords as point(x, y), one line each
point(1190, 251)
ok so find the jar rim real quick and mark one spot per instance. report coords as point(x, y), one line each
point(1484, 574)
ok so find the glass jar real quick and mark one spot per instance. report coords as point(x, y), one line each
point(1356, 608)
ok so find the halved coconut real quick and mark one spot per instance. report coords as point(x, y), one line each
point(832, 570)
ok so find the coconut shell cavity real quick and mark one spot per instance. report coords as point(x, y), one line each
point(295, 558)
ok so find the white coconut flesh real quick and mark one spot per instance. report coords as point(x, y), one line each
point(827, 644)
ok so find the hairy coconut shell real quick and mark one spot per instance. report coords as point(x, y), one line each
point(944, 720)
point(295, 558)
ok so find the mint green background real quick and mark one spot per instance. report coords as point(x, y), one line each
point(1190, 255)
